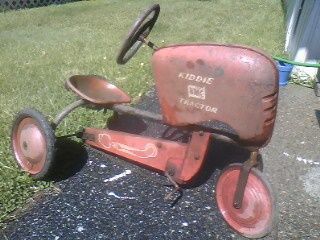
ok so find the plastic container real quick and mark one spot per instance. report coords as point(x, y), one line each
point(284, 72)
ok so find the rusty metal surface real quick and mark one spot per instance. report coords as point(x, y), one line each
point(96, 90)
point(196, 156)
point(200, 83)
point(243, 178)
point(183, 162)
point(256, 217)
point(128, 110)
point(148, 152)
point(66, 111)
point(29, 145)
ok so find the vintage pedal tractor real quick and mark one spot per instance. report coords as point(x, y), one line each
point(198, 84)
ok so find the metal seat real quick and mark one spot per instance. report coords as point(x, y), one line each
point(96, 90)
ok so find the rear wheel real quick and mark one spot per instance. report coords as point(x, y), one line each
point(256, 216)
point(33, 141)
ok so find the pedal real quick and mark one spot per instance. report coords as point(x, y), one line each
point(177, 188)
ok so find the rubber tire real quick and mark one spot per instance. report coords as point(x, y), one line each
point(274, 221)
point(49, 136)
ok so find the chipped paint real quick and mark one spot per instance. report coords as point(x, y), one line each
point(120, 197)
point(307, 161)
point(301, 159)
point(116, 177)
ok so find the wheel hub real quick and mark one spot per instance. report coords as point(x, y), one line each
point(30, 146)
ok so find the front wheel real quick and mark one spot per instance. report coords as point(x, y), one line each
point(256, 216)
point(33, 143)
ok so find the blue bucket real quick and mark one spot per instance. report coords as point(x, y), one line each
point(284, 72)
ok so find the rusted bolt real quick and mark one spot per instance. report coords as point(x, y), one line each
point(201, 133)
point(236, 205)
point(196, 156)
point(159, 144)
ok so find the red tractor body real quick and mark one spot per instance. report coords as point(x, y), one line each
point(204, 83)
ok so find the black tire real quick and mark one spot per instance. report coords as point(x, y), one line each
point(47, 139)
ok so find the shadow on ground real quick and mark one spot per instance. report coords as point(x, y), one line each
point(71, 157)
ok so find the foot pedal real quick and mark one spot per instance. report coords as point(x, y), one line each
point(175, 185)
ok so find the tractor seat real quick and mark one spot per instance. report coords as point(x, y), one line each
point(96, 90)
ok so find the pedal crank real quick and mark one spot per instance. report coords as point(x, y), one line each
point(177, 188)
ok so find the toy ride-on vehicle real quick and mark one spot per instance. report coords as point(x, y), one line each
point(198, 84)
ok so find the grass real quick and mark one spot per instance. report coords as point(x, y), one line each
point(41, 47)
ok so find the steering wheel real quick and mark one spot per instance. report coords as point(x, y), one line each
point(140, 29)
